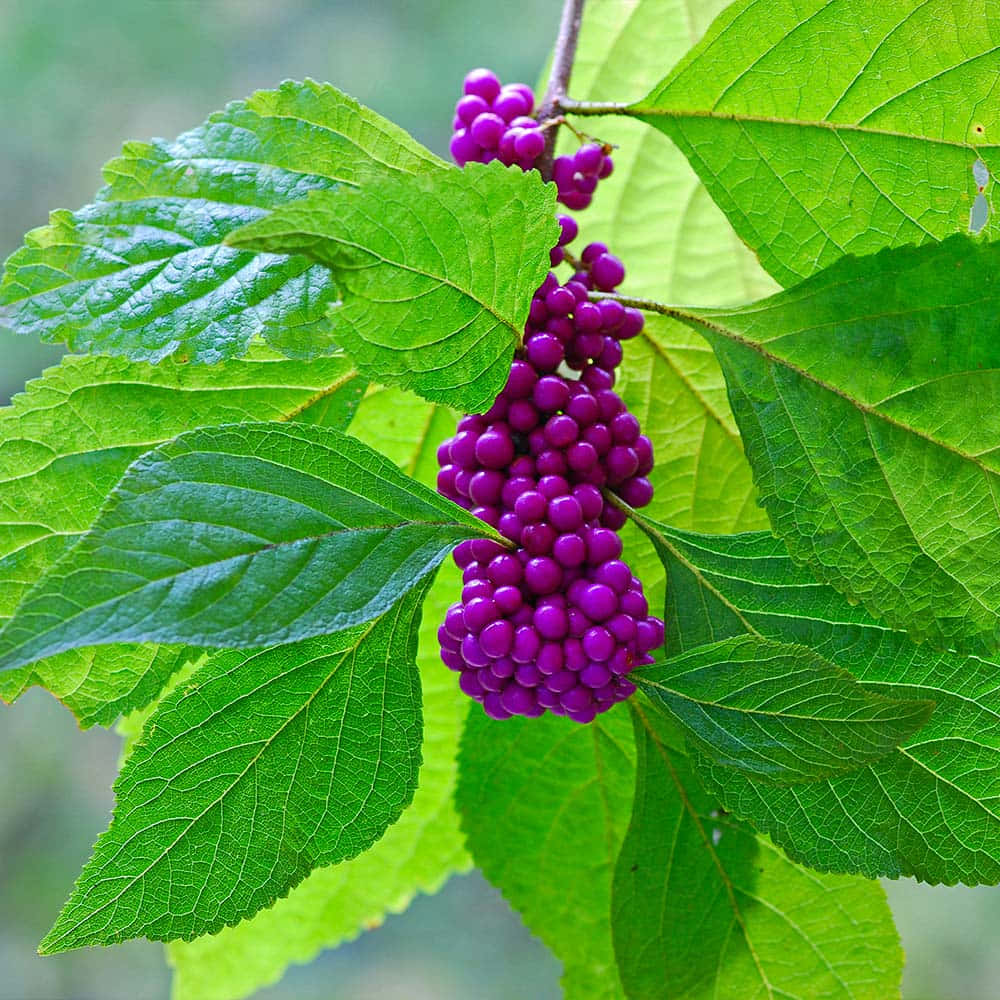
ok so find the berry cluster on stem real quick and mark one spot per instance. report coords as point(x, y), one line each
point(557, 623)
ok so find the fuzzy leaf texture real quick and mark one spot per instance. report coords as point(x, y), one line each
point(867, 399)
point(242, 536)
point(425, 846)
point(832, 127)
point(777, 712)
point(144, 271)
point(67, 440)
point(437, 273)
point(258, 769)
point(544, 804)
point(703, 908)
point(928, 809)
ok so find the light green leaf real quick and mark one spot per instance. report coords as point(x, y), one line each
point(258, 769)
point(777, 712)
point(426, 844)
point(831, 127)
point(677, 246)
point(335, 904)
point(705, 909)
point(867, 401)
point(144, 271)
point(242, 536)
point(545, 803)
point(437, 272)
point(930, 808)
point(66, 442)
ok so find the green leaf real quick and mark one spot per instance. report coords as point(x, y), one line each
point(424, 846)
point(144, 270)
point(777, 712)
point(66, 442)
point(866, 401)
point(258, 769)
point(335, 904)
point(930, 808)
point(655, 214)
point(243, 536)
point(703, 908)
point(545, 803)
point(437, 272)
point(830, 127)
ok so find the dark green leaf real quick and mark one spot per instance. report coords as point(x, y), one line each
point(437, 272)
point(66, 442)
point(777, 712)
point(144, 271)
point(545, 803)
point(867, 399)
point(256, 770)
point(831, 127)
point(243, 536)
point(704, 909)
point(334, 904)
point(929, 809)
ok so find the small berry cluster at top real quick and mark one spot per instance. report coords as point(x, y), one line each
point(556, 623)
point(493, 122)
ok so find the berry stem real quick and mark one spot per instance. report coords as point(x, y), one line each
point(571, 107)
point(648, 305)
point(562, 68)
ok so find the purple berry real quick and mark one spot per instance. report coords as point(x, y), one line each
point(599, 602)
point(483, 83)
point(542, 575)
point(550, 393)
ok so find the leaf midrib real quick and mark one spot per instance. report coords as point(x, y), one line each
point(650, 111)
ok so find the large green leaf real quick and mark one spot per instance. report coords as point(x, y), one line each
point(867, 401)
point(243, 536)
point(437, 272)
point(144, 271)
point(704, 909)
point(335, 904)
point(424, 846)
point(777, 712)
point(66, 442)
point(930, 808)
point(832, 127)
point(545, 803)
point(256, 770)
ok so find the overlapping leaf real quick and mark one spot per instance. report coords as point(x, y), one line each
point(545, 803)
point(423, 847)
point(437, 273)
point(703, 908)
point(241, 536)
point(144, 270)
point(867, 401)
point(831, 127)
point(929, 809)
point(68, 440)
point(777, 712)
point(677, 246)
point(259, 768)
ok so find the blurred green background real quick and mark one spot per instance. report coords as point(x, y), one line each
point(77, 77)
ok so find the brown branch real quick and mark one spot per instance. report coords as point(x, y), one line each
point(562, 68)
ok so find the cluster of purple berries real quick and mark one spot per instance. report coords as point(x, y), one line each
point(494, 123)
point(557, 623)
point(576, 176)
